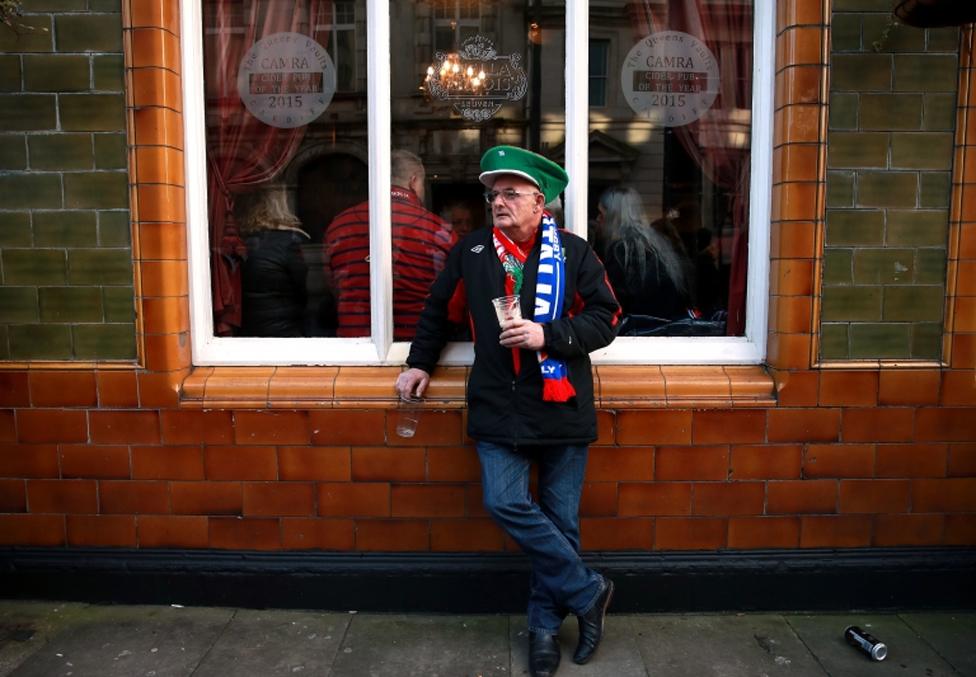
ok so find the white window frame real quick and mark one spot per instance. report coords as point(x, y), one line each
point(379, 348)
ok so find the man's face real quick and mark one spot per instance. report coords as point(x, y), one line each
point(518, 217)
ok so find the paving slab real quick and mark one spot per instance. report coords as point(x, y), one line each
point(618, 655)
point(951, 635)
point(395, 645)
point(271, 643)
point(26, 626)
point(155, 641)
point(908, 654)
point(729, 645)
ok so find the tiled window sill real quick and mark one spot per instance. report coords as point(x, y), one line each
point(632, 387)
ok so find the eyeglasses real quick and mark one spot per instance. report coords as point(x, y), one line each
point(507, 195)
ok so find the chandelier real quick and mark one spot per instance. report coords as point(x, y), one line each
point(449, 75)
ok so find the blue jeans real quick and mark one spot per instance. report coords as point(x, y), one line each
point(547, 531)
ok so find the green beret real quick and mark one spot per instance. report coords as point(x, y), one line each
point(543, 172)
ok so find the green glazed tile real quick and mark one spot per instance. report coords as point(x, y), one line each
point(939, 112)
point(884, 266)
point(53, 5)
point(845, 33)
point(40, 341)
point(104, 341)
point(840, 189)
point(860, 73)
point(854, 226)
point(33, 34)
point(4, 345)
point(97, 190)
point(105, 5)
point(930, 265)
point(917, 228)
point(60, 151)
point(927, 341)
point(15, 229)
point(100, 266)
point(119, 304)
point(24, 112)
point(887, 189)
point(837, 266)
point(10, 73)
point(92, 112)
point(913, 304)
point(851, 303)
point(13, 151)
point(65, 229)
point(925, 150)
point(108, 71)
point(862, 6)
point(56, 73)
point(925, 73)
point(88, 32)
point(883, 34)
point(71, 304)
point(843, 110)
point(834, 343)
point(889, 112)
point(18, 304)
point(857, 149)
point(114, 229)
point(33, 266)
point(880, 341)
point(39, 191)
point(111, 151)
point(944, 39)
point(935, 190)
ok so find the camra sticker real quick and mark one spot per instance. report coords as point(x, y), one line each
point(286, 80)
point(670, 77)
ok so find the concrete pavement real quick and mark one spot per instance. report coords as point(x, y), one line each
point(45, 639)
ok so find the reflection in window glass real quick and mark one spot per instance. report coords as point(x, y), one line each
point(669, 163)
point(599, 62)
point(477, 78)
point(285, 155)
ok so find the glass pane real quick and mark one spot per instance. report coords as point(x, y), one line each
point(285, 155)
point(669, 163)
point(598, 72)
point(496, 79)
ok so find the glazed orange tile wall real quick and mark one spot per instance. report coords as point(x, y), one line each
point(864, 456)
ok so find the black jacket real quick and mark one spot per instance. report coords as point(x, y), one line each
point(273, 281)
point(503, 407)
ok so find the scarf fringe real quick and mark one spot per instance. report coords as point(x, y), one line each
point(557, 390)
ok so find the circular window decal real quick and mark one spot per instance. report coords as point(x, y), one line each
point(670, 77)
point(286, 80)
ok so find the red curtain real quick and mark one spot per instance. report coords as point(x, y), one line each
point(723, 25)
point(242, 151)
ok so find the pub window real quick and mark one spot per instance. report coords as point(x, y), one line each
point(333, 148)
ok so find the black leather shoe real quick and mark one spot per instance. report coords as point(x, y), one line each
point(543, 654)
point(591, 625)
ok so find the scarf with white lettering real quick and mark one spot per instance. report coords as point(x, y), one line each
point(550, 290)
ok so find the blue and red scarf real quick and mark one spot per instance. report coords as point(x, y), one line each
point(550, 290)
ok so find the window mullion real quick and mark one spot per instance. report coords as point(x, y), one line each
point(577, 113)
point(378, 122)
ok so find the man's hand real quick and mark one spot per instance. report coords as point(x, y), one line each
point(412, 383)
point(522, 334)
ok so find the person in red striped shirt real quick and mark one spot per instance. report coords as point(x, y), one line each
point(421, 241)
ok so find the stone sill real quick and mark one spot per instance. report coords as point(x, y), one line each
point(630, 387)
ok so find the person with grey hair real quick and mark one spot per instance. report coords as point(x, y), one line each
point(649, 274)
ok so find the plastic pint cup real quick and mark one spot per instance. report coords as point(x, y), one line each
point(408, 415)
point(507, 308)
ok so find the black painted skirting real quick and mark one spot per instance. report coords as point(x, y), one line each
point(473, 583)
